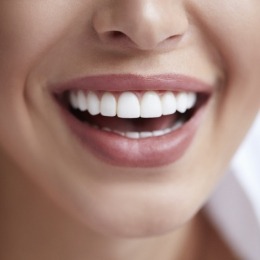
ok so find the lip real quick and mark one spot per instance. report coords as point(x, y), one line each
point(132, 82)
point(142, 153)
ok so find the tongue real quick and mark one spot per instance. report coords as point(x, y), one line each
point(129, 125)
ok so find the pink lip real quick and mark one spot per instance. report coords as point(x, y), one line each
point(120, 151)
point(132, 82)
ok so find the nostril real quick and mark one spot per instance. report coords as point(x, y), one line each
point(117, 34)
point(116, 38)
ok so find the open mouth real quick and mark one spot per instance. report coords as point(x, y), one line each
point(127, 125)
point(135, 114)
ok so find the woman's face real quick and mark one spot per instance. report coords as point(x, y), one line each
point(115, 184)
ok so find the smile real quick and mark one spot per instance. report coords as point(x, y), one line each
point(130, 105)
point(147, 122)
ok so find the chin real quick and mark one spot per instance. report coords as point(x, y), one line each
point(139, 219)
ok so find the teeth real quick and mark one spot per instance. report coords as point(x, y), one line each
point(82, 101)
point(182, 102)
point(73, 100)
point(169, 103)
point(141, 135)
point(127, 104)
point(192, 98)
point(132, 135)
point(146, 134)
point(108, 105)
point(158, 132)
point(151, 105)
point(93, 104)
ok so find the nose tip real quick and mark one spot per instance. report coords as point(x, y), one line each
point(141, 24)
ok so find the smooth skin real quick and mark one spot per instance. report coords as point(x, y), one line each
point(58, 201)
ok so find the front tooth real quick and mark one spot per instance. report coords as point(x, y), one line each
point(108, 105)
point(128, 105)
point(169, 104)
point(132, 135)
point(192, 98)
point(146, 134)
point(73, 99)
point(151, 105)
point(93, 103)
point(182, 102)
point(82, 101)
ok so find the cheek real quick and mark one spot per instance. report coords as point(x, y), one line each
point(28, 29)
point(232, 27)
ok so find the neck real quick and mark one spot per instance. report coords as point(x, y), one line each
point(32, 226)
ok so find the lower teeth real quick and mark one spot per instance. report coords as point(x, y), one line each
point(134, 134)
point(142, 135)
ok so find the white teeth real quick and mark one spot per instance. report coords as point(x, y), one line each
point(132, 135)
point(182, 102)
point(158, 133)
point(93, 103)
point(108, 105)
point(82, 101)
point(73, 99)
point(142, 135)
point(151, 106)
point(128, 106)
point(146, 134)
point(169, 104)
point(119, 132)
point(192, 98)
point(167, 131)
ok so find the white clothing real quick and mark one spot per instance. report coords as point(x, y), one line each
point(235, 206)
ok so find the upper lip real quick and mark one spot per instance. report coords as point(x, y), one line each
point(133, 82)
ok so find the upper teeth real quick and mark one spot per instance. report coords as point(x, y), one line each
point(150, 104)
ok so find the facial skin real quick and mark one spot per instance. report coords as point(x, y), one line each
point(49, 42)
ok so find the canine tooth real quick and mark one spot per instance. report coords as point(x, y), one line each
point(169, 104)
point(82, 101)
point(128, 105)
point(182, 102)
point(108, 105)
point(146, 134)
point(151, 105)
point(93, 103)
point(132, 135)
point(192, 98)
point(73, 99)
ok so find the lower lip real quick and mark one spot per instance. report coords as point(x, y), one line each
point(142, 153)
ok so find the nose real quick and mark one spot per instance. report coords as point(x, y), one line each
point(141, 24)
